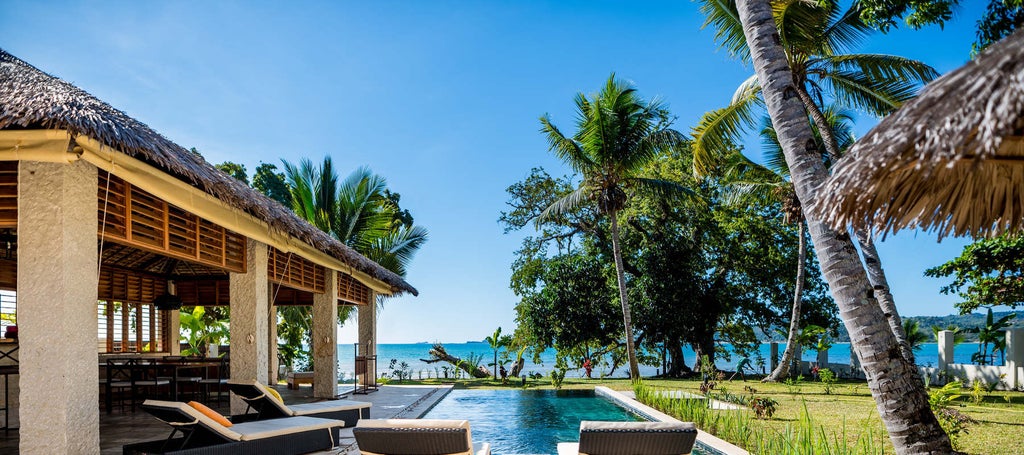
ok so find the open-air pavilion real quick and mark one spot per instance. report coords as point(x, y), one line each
point(100, 215)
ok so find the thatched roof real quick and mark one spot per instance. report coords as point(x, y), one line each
point(951, 160)
point(32, 99)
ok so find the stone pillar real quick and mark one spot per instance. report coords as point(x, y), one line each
point(57, 282)
point(368, 336)
point(249, 332)
point(272, 374)
point(325, 338)
point(773, 354)
point(1015, 357)
point(823, 359)
point(173, 325)
point(945, 340)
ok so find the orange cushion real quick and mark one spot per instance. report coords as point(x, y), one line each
point(273, 394)
point(202, 408)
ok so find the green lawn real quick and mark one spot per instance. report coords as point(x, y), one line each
point(1000, 427)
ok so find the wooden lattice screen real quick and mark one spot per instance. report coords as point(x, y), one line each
point(206, 292)
point(351, 290)
point(133, 217)
point(128, 321)
point(129, 286)
point(295, 271)
point(8, 194)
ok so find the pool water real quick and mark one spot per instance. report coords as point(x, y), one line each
point(527, 421)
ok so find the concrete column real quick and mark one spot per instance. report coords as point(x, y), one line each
point(773, 349)
point(173, 332)
point(57, 282)
point(368, 336)
point(823, 359)
point(325, 338)
point(272, 375)
point(1015, 357)
point(173, 325)
point(249, 331)
point(945, 340)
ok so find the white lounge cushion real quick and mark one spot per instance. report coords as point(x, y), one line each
point(326, 406)
point(248, 431)
point(305, 408)
point(260, 429)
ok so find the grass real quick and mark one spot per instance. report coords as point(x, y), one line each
point(848, 413)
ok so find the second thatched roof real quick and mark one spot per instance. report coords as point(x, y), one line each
point(951, 160)
point(32, 99)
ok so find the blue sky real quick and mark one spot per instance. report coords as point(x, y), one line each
point(441, 98)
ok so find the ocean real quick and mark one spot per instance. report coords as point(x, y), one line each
point(413, 353)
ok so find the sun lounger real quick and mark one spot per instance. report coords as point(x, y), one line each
point(632, 438)
point(259, 399)
point(416, 437)
point(202, 434)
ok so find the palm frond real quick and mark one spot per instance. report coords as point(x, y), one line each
point(565, 205)
point(718, 131)
point(857, 90)
point(724, 18)
point(882, 67)
point(844, 31)
point(566, 149)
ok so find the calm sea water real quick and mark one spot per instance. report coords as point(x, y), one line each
point(541, 418)
point(413, 353)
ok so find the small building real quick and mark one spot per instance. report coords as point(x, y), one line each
point(100, 215)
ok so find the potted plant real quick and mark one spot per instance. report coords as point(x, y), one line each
point(202, 331)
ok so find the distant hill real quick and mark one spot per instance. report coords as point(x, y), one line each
point(969, 323)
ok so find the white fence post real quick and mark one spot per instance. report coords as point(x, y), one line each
point(945, 341)
point(1015, 358)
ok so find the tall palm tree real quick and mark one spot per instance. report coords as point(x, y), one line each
point(356, 212)
point(748, 182)
point(895, 385)
point(816, 37)
point(617, 133)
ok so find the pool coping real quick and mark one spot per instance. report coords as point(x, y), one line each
point(703, 437)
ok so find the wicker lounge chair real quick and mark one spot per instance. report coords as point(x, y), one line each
point(201, 434)
point(256, 396)
point(632, 438)
point(416, 437)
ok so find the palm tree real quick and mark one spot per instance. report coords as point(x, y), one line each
point(915, 336)
point(355, 211)
point(816, 37)
point(749, 182)
point(617, 133)
point(495, 342)
point(897, 388)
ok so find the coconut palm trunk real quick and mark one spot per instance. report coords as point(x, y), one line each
point(627, 320)
point(873, 265)
point(872, 262)
point(895, 385)
point(782, 370)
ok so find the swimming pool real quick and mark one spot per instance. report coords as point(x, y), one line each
point(528, 421)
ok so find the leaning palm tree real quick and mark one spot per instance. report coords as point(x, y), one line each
point(617, 134)
point(894, 382)
point(816, 37)
point(750, 183)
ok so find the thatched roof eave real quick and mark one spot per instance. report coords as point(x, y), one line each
point(951, 160)
point(32, 99)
